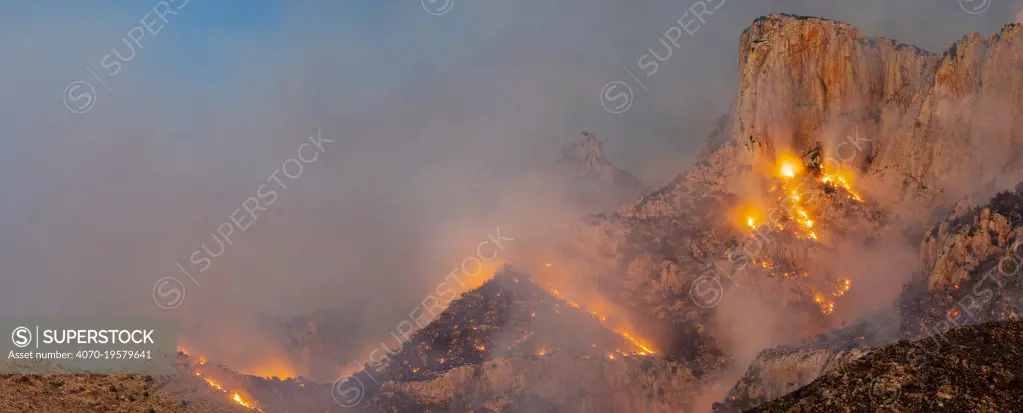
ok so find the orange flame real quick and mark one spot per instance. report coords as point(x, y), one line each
point(235, 397)
point(239, 400)
point(643, 348)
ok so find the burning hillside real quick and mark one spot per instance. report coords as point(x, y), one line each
point(513, 326)
point(254, 393)
point(507, 316)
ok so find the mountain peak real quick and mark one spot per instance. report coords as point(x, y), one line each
point(586, 154)
point(596, 184)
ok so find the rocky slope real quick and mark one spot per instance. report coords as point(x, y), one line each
point(502, 340)
point(969, 265)
point(976, 368)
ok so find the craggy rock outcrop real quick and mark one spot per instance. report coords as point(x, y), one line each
point(627, 384)
point(971, 265)
point(972, 235)
point(970, 369)
point(595, 184)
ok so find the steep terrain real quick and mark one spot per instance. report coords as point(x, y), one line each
point(499, 344)
point(977, 368)
point(969, 273)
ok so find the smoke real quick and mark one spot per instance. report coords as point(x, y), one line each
point(442, 127)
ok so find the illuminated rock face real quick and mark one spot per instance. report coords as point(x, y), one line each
point(917, 123)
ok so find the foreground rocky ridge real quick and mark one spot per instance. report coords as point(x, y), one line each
point(977, 368)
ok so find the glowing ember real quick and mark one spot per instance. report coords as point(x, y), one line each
point(838, 181)
point(843, 287)
point(826, 306)
point(789, 165)
point(235, 397)
point(239, 400)
point(788, 169)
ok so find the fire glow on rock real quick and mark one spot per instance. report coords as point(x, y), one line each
point(795, 192)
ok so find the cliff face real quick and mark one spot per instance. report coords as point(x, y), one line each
point(914, 123)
